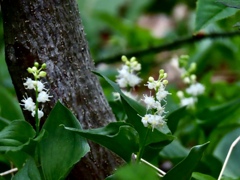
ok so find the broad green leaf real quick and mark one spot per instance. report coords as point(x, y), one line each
point(119, 137)
point(213, 115)
point(184, 169)
point(200, 176)
point(61, 149)
point(174, 150)
point(134, 111)
point(208, 11)
point(230, 3)
point(136, 172)
point(28, 172)
point(17, 133)
point(18, 158)
point(9, 107)
point(18, 155)
point(174, 117)
point(233, 165)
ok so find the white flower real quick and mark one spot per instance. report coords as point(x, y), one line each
point(40, 114)
point(156, 121)
point(188, 101)
point(133, 80)
point(196, 89)
point(40, 86)
point(152, 85)
point(122, 82)
point(126, 75)
point(116, 96)
point(28, 104)
point(159, 108)
point(29, 84)
point(149, 101)
point(161, 94)
point(145, 119)
point(123, 72)
point(153, 120)
point(43, 97)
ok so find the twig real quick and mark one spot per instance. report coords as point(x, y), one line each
point(228, 156)
point(160, 173)
point(9, 172)
point(169, 46)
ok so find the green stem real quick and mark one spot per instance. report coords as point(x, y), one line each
point(36, 111)
point(142, 148)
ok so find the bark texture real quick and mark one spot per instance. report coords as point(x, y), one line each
point(51, 32)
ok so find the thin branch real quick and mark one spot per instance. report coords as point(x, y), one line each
point(169, 46)
point(9, 172)
point(228, 156)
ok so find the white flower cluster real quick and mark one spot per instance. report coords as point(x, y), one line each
point(41, 92)
point(194, 89)
point(127, 77)
point(155, 119)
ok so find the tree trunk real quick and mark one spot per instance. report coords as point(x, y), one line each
point(51, 32)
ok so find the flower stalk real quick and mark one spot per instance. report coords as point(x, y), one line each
point(41, 93)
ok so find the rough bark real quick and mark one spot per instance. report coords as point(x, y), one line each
point(51, 32)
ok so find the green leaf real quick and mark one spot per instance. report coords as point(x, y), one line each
point(9, 107)
point(17, 133)
point(233, 166)
point(208, 11)
point(119, 137)
point(184, 169)
point(136, 172)
point(134, 111)
point(174, 150)
point(18, 155)
point(28, 172)
point(213, 115)
point(230, 3)
point(61, 149)
point(200, 176)
point(174, 117)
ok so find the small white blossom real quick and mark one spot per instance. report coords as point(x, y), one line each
point(161, 95)
point(188, 101)
point(145, 119)
point(40, 86)
point(154, 103)
point(28, 104)
point(40, 114)
point(43, 97)
point(153, 120)
point(116, 96)
point(133, 80)
point(122, 82)
point(127, 74)
point(196, 89)
point(149, 101)
point(29, 84)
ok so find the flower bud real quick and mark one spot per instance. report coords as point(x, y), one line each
point(161, 71)
point(44, 65)
point(150, 79)
point(36, 64)
point(124, 58)
point(165, 82)
point(42, 74)
point(29, 70)
point(34, 69)
point(133, 59)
